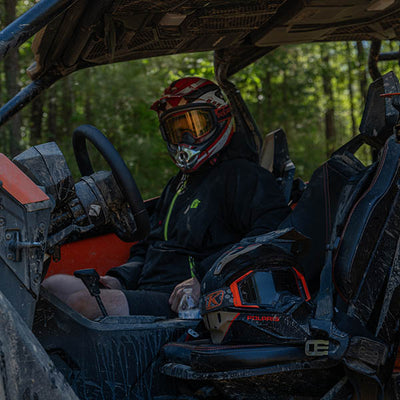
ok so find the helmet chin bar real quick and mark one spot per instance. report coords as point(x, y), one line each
point(185, 158)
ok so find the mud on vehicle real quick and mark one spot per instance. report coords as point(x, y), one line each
point(331, 332)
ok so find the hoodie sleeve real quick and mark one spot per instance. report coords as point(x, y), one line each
point(129, 273)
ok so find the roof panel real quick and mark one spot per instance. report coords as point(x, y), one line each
point(117, 30)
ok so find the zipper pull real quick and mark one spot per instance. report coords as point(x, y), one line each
point(182, 183)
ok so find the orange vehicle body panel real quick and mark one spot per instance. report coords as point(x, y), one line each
point(18, 185)
point(100, 253)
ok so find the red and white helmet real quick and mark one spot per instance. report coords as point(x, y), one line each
point(195, 121)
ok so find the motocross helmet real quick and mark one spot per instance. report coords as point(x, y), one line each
point(195, 121)
point(257, 296)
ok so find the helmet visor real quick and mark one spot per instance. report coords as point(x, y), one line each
point(186, 125)
point(265, 287)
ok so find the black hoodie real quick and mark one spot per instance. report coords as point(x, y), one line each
point(201, 214)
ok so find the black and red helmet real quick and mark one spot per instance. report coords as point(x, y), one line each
point(255, 294)
point(195, 121)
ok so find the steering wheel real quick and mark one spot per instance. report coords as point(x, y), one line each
point(119, 170)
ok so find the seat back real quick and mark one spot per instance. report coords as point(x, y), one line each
point(316, 210)
point(381, 111)
point(274, 157)
point(365, 266)
point(335, 187)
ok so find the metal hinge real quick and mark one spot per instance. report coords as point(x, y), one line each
point(15, 245)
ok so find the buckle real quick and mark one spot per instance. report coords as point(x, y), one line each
point(317, 348)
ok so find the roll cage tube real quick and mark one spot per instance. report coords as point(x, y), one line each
point(28, 93)
point(242, 113)
point(17, 33)
point(375, 56)
point(29, 23)
point(119, 169)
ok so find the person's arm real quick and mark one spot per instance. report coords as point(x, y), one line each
point(128, 274)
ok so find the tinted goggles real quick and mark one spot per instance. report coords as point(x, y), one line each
point(266, 287)
point(188, 123)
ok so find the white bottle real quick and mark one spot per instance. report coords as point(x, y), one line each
point(188, 308)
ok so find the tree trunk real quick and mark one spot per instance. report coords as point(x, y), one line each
point(36, 120)
point(265, 104)
point(362, 71)
point(11, 70)
point(350, 87)
point(268, 89)
point(330, 130)
point(52, 115)
point(88, 112)
point(284, 88)
point(66, 113)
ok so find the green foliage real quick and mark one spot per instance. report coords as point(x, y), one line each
point(284, 89)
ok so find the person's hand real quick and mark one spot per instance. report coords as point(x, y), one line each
point(177, 293)
point(110, 282)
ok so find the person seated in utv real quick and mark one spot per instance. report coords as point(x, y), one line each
point(219, 196)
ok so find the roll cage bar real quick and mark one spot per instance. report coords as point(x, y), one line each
point(16, 34)
point(375, 56)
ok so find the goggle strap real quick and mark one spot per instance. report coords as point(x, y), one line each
point(304, 286)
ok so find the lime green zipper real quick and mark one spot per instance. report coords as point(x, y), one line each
point(181, 186)
point(191, 265)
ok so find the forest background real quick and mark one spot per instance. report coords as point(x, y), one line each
point(315, 92)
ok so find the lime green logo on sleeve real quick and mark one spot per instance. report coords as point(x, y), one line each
point(195, 203)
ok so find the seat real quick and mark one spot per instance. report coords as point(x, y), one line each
point(316, 210)
point(275, 158)
point(366, 262)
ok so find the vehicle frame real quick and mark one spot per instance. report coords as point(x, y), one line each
point(90, 353)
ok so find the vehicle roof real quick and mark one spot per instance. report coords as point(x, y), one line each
point(101, 32)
